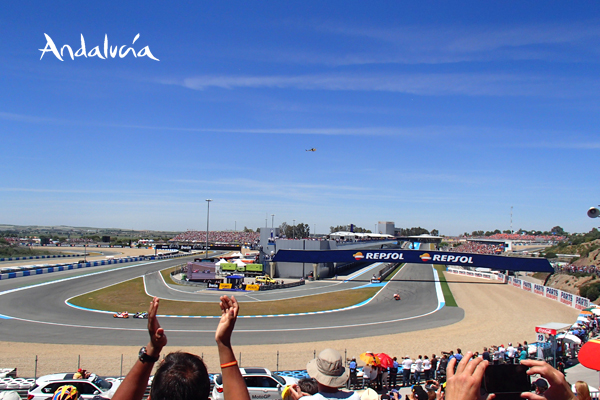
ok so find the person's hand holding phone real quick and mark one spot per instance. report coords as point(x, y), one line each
point(559, 388)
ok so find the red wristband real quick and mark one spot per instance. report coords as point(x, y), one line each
point(229, 364)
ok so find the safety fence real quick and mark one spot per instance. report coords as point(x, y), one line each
point(561, 296)
point(18, 272)
point(39, 257)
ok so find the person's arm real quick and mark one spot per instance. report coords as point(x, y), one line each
point(559, 388)
point(465, 383)
point(135, 383)
point(234, 386)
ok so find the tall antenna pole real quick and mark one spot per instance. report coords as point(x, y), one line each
point(511, 210)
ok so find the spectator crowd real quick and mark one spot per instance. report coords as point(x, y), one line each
point(478, 248)
point(218, 237)
point(572, 269)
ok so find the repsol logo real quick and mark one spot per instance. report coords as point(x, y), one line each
point(384, 256)
point(451, 258)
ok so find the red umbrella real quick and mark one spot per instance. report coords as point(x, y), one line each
point(589, 354)
point(384, 360)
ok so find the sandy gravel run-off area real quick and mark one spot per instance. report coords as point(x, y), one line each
point(494, 314)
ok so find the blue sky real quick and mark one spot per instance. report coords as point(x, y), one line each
point(433, 114)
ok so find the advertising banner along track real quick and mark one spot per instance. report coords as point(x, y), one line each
point(416, 257)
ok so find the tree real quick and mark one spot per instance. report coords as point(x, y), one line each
point(477, 233)
point(557, 230)
point(414, 231)
point(346, 228)
point(435, 232)
point(297, 231)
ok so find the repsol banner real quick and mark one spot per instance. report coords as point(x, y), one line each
point(416, 257)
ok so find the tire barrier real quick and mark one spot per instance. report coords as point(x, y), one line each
point(39, 257)
point(17, 272)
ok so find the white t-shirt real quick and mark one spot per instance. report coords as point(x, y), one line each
point(341, 394)
point(511, 351)
point(418, 365)
point(406, 363)
point(426, 365)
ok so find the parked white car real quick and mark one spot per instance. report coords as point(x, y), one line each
point(46, 385)
point(262, 384)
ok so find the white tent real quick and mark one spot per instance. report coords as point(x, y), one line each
point(239, 263)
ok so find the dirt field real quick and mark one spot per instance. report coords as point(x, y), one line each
point(495, 314)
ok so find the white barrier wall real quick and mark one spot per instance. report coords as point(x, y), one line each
point(563, 297)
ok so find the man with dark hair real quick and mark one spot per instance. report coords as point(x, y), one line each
point(486, 354)
point(353, 382)
point(394, 373)
point(181, 376)
point(308, 385)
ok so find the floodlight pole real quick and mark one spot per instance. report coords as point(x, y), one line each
point(207, 218)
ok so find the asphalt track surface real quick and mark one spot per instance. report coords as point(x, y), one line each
point(34, 309)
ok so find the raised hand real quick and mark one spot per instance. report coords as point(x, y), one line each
point(465, 383)
point(559, 388)
point(229, 313)
point(158, 339)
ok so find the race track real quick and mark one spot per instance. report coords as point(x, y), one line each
point(34, 309)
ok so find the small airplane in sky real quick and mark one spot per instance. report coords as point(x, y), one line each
point(313, 149)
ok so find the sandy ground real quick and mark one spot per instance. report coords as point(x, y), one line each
point(495, 314)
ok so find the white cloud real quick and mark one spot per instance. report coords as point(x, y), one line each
point(436, 44)
point(432, 84)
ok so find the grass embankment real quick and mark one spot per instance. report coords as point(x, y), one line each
point(130, 296)
point(166, 274)
point(448, 297)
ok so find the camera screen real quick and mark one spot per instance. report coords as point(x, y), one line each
point(507, 378)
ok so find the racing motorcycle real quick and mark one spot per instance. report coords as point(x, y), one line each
point(123, 314)
point(141, 315)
